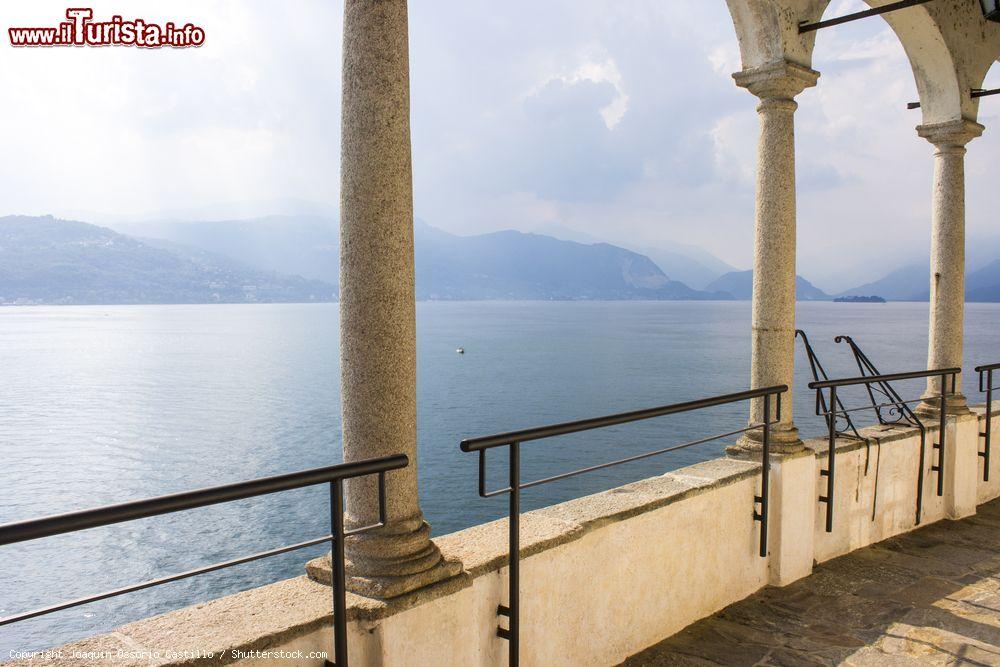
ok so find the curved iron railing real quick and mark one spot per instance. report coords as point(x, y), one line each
point(896, 403)
point(513, 440)
point(335, 475)
point(986, 373)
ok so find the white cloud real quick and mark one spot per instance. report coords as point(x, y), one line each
point(615, 119)
point(604, 72)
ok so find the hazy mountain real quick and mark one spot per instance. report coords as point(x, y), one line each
point(514, 265)
point(984, 284)
point(689, 264)
point(908, 283)
point(308, 246)
point(501, 265)
point(740, 285)
point(45, 260)
point(912, 283)
point(981, 250)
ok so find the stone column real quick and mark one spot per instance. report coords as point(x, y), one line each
point(377, 310)
point(773, 332)
point(947, 284)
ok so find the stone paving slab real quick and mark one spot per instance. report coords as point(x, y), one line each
point(930, 597)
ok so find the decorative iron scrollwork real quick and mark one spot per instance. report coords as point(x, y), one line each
point(848, 430)
point(893, 410)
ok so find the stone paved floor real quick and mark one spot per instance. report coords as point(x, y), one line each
point(931, 597)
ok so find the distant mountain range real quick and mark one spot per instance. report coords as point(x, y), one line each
point(45, 260)
point(514, 265)
point(305, 245)
point(500, 265)
point(912, 283)
point(685, 263)
point(903, 284)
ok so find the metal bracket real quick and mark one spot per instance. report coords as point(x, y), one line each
point(885, 9)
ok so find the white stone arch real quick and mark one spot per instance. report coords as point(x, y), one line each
point(949, 44)
point(951, 48)
point(933, 65)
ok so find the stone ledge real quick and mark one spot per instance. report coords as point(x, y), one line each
point(880, 434)
point(980, 410)
point(273, 615)
point(259, 618)
point(483, 548)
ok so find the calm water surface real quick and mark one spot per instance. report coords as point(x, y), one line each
point(106, 404)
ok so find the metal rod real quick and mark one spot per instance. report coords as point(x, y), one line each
point(482, 475)
point(338, 582)
point(831, 461)
point(637, 457)
point(865, 379)
point(502, 439)
point(514, 574)
point(920, 473)
point(974, 93)
point(941, 438)
point(156, 582)
point(869, 407)
point(895, 6)
point(987, 435)
point(817, 371)
point(102, 516)
point(765, 475)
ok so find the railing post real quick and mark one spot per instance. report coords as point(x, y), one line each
point(765, 475)
point(338, 580)
point(920, 473)
point(939, 445)
point(830, 459)
point(514, 573)
point(985, 454)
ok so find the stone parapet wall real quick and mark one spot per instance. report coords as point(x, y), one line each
point(603, 576)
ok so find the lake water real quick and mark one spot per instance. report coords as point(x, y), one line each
point(103, 404)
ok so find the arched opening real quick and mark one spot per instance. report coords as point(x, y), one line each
point(983, 247)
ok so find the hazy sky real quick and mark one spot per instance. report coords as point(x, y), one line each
point(616, 119)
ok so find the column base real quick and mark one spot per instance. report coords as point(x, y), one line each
point(784, 440)
point(389, 561)
point(954, 404)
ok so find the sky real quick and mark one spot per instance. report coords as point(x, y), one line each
point(617, 121)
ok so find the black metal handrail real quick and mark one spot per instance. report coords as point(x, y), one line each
point(819, 373)
point(513, 440)
point(335, 475)
point(986, 373)
point(831, 417)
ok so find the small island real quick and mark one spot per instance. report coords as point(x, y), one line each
point(859, 299)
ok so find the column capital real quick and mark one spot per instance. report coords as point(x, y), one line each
point(950, 134)
point(782, 80)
